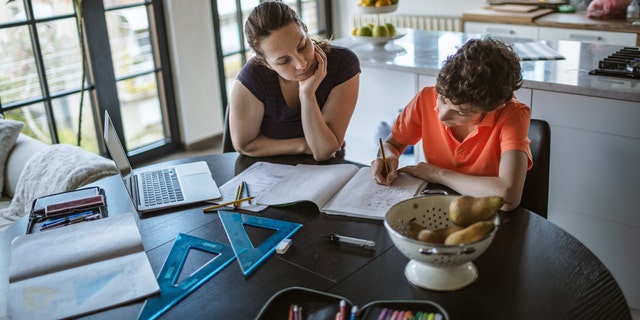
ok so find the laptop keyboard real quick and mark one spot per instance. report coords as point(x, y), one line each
point(161, 186)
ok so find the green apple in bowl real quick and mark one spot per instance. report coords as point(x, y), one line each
point(380, 31)
point(364, 31)
point(391, 28)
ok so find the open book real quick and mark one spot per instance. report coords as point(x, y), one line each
point(342, 189)
point(78, 269)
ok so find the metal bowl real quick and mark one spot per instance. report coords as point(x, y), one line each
point(434, 266)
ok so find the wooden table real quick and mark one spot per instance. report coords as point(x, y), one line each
point(532, 270)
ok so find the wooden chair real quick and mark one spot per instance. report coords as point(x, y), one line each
point(535, 195)
point(227, 145)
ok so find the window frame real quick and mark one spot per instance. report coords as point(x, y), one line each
point(100, 82)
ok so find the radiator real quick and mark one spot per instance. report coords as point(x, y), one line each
point(428, 23)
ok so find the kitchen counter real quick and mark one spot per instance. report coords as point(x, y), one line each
point(581, 21)
point(422, 52)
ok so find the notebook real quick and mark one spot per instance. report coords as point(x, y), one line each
point(160, 187)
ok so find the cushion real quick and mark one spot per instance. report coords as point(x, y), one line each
point(9, 131)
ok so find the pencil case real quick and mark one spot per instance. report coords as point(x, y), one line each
point(65, 208)
point(316, 305)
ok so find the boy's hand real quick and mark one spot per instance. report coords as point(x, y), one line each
point(379, 171)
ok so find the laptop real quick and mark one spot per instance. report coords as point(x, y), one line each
point(160, 187)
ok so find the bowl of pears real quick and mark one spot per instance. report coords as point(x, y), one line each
point(442, 235)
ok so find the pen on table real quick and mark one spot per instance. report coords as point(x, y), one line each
point(384, 157)
point(65, 220)
point(246, 190)
point(238, 195)
point(220, 205)
point(334, 237)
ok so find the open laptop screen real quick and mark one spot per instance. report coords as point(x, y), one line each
point(116, 150)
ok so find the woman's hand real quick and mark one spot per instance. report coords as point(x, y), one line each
point(311, 84)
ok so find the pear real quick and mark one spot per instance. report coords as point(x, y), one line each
point(470, 234)
point(466, 210)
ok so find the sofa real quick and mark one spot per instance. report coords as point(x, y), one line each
point(17, 158)
point(30, 169)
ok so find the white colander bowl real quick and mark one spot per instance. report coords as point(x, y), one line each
point(434, 266)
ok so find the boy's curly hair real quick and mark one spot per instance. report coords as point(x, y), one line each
point(483, 73)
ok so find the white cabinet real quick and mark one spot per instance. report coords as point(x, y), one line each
point(608, 37)
point(503, 30)
point(548, 33)
point(595, 177)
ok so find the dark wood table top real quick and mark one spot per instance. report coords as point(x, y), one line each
point(532, 270)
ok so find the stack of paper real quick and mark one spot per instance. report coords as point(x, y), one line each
point(79, 269)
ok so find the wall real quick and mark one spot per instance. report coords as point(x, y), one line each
point(195, 73)
point(344, 10)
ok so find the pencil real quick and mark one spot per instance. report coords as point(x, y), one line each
point(384, 157)
point(238, 195)
point(246, 189)
point(220, 205)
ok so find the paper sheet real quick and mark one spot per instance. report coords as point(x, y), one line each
point(78, 269)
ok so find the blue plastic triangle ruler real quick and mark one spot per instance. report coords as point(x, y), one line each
point(249, 257)
point(171, 292)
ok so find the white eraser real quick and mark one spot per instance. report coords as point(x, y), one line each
point(283, 246)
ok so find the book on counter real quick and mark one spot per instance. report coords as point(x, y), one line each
point(79, 269)
point(340, 189)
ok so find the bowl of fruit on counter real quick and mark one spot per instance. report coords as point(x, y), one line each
point(377, 35)
point(378, 6)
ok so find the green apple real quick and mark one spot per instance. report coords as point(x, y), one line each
point(380, 31)
point(394, 1)
point(391, 28)
point(364, 31)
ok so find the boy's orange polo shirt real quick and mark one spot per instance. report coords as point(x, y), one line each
point(479, 154)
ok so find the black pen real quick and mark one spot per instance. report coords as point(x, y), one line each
point(334, 237)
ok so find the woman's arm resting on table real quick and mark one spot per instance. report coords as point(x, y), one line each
point(245, 118)
point(324, 130)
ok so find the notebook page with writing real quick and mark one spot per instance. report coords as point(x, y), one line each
point(314, 183)
point(363, 197)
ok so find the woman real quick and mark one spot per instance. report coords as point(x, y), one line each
point(473, 130)
point(296, 95)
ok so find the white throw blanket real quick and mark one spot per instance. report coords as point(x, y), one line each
point(57, 168)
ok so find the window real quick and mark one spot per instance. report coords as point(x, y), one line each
point(44, 84)
point(233, 50)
